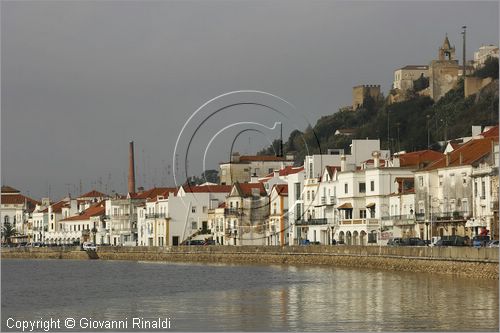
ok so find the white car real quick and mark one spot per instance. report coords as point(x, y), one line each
point(89, 246)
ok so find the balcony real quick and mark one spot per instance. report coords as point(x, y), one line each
point(406, 219)
point(155, 216)
point(233, 211)
point(420, 217)
point(449, 216)
point(321, 221)
point(360, 221)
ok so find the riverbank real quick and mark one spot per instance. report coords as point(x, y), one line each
point(463, 261)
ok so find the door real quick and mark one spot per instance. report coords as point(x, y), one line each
point(175, 240)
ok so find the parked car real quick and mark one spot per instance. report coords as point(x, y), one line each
point(480, 241)
point(89, 246)
point(194, 242)
point(413, 241)
point(493, 243)
point(395, 241)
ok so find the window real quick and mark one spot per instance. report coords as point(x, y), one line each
point(270, 170)
point(346, 188)
point(204, 209)
point(298, 212)
point(483, 189)
point(193, 209)
point(475, 188)
point(6, 219)
point(310, 170)
point(440, 180)
point(297, 191)
point(372, 185)
point(308, 195)
point(194, 225)
point(362, 213)
point(312, 195)
point(362, 188)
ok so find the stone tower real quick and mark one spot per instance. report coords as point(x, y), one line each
point(443, 73)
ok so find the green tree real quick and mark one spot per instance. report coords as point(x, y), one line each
point(8, 231)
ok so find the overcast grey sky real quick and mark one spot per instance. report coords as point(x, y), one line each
point(82, 78)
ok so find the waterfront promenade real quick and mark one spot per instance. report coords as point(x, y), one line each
point(463, 261)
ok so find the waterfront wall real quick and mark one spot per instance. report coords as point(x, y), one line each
point(464, 261)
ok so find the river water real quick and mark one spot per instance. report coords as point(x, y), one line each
point(221, 297)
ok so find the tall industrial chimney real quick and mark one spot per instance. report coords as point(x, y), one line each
point(131, 169)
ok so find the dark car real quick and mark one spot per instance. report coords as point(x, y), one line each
point(396, 241)
point(413, 241)
point(480, 241)
point(194, 242)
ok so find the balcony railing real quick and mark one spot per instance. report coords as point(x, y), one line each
point(155, 216)
point(448, 216)
point(321, 221)
point(233, 211)
point(360, 221)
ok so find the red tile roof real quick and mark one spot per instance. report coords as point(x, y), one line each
point(288, 170)
point(246, 189)
point(93, 194)
point(281, 189)
point(94, 210)
point(420, 158)
point(492, 132)
point(222, 205)
point(8, 189)
point(57, 207)
point(466, 154)
point(11, 196)
point(153, 193)
point(208, 189)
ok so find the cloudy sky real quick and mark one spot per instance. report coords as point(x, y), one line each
point(80, 79)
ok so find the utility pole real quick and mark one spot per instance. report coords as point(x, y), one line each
point(463, 52)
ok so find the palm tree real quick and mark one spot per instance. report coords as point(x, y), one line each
point(8, 231)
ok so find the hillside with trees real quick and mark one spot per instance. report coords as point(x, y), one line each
point(402, 126)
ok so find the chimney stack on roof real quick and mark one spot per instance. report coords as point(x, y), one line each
point(376, 159)
point(447, 155)
point(131, 169)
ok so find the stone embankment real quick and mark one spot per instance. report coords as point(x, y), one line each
point(464, 261)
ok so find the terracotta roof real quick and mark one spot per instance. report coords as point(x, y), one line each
point(331, 169)
point(57, 207)
point(466, 154)
point(222, 205)
point(8, 189)
point(153, 193)
point(93, 194)
point(246, 189)
point(207, 189)
point(16, 198)
point(94, 210)
point(492, 132)
point(288, 170)
point(282, 189)
point(420, 158)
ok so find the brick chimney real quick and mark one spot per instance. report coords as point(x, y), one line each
point(131, 169)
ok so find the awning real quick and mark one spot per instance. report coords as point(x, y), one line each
point(346, 205)
point(370, 205)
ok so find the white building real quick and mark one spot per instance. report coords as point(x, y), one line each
point(277, 224)
point(451, 191)
point(404, 77)
point(16, 210)
point(484, 52)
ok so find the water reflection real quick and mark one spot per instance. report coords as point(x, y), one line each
point(249, 298)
